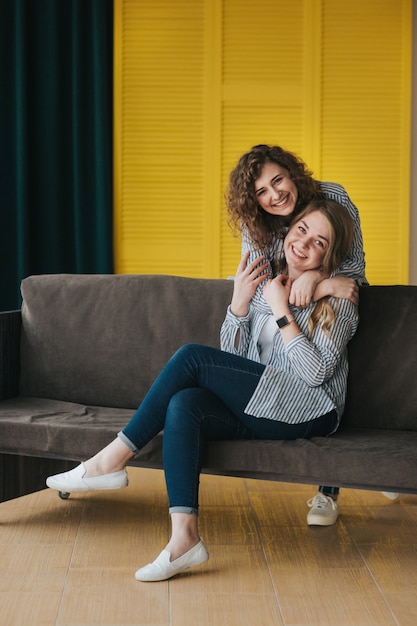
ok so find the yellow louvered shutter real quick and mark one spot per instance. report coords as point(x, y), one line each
point(159, 125)
point(197, 82)
point(268, 80)
point(365, 139)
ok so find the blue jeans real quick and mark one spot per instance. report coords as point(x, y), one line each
point(200, 395)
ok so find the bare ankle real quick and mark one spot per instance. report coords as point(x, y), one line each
point(112, 458)
point(94, 468)
point(178, 548)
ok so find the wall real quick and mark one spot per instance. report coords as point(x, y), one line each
point(197, 82)
point(413, 181)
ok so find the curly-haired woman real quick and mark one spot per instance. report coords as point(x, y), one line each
point(267, 188)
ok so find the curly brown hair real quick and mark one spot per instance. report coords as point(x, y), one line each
point(243, 208)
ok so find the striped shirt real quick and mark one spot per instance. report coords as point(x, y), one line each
point(304, 379)
point(354, 266)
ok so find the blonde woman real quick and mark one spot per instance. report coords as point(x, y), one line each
point(280, 375)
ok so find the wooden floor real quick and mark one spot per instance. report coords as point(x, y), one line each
point(72, 563)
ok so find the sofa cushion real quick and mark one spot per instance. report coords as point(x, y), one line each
point(102, 339)
point(383, 460)
point(382, 384)
point(57, 429)
point(64, 430)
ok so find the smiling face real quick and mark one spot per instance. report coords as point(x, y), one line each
point(307, 242)
point(275, 191)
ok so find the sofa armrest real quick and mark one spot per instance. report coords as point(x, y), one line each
point(10, 326)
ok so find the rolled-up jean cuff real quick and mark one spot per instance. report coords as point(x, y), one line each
point(127, 442)
point(183, 509)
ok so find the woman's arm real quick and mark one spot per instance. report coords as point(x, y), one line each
point(269, 256)
point(303, 290)
point(235, 334)
point(354, 266)
point(312, 285)
point(340, 286)
point(249, 276)
point(315, 360)
point(235, 331)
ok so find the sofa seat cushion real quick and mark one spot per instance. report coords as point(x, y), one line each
point(353, 457)
point(62, 430)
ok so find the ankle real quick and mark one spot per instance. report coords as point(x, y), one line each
point(184, 534)
point(91, 469)
point(95, 468)
point(112, 458)
point(178, 547)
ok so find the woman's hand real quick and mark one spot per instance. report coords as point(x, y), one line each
point(277, 292)
point(247, 279)
point(304, 287)
point(339, 286)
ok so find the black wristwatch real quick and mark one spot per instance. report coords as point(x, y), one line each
point(284, 321)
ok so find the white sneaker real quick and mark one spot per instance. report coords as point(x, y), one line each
point(163, 568)
point(391, 495)
point(74, 481)
point(324, 511)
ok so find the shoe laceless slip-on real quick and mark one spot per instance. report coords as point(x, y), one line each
point(162, 568)
point(74, 481)
point(391, 495)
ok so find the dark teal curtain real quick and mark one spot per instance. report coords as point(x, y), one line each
point(56, 69)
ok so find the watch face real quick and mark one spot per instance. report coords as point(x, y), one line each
point(282, 321)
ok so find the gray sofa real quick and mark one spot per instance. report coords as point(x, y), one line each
point(82, 352)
